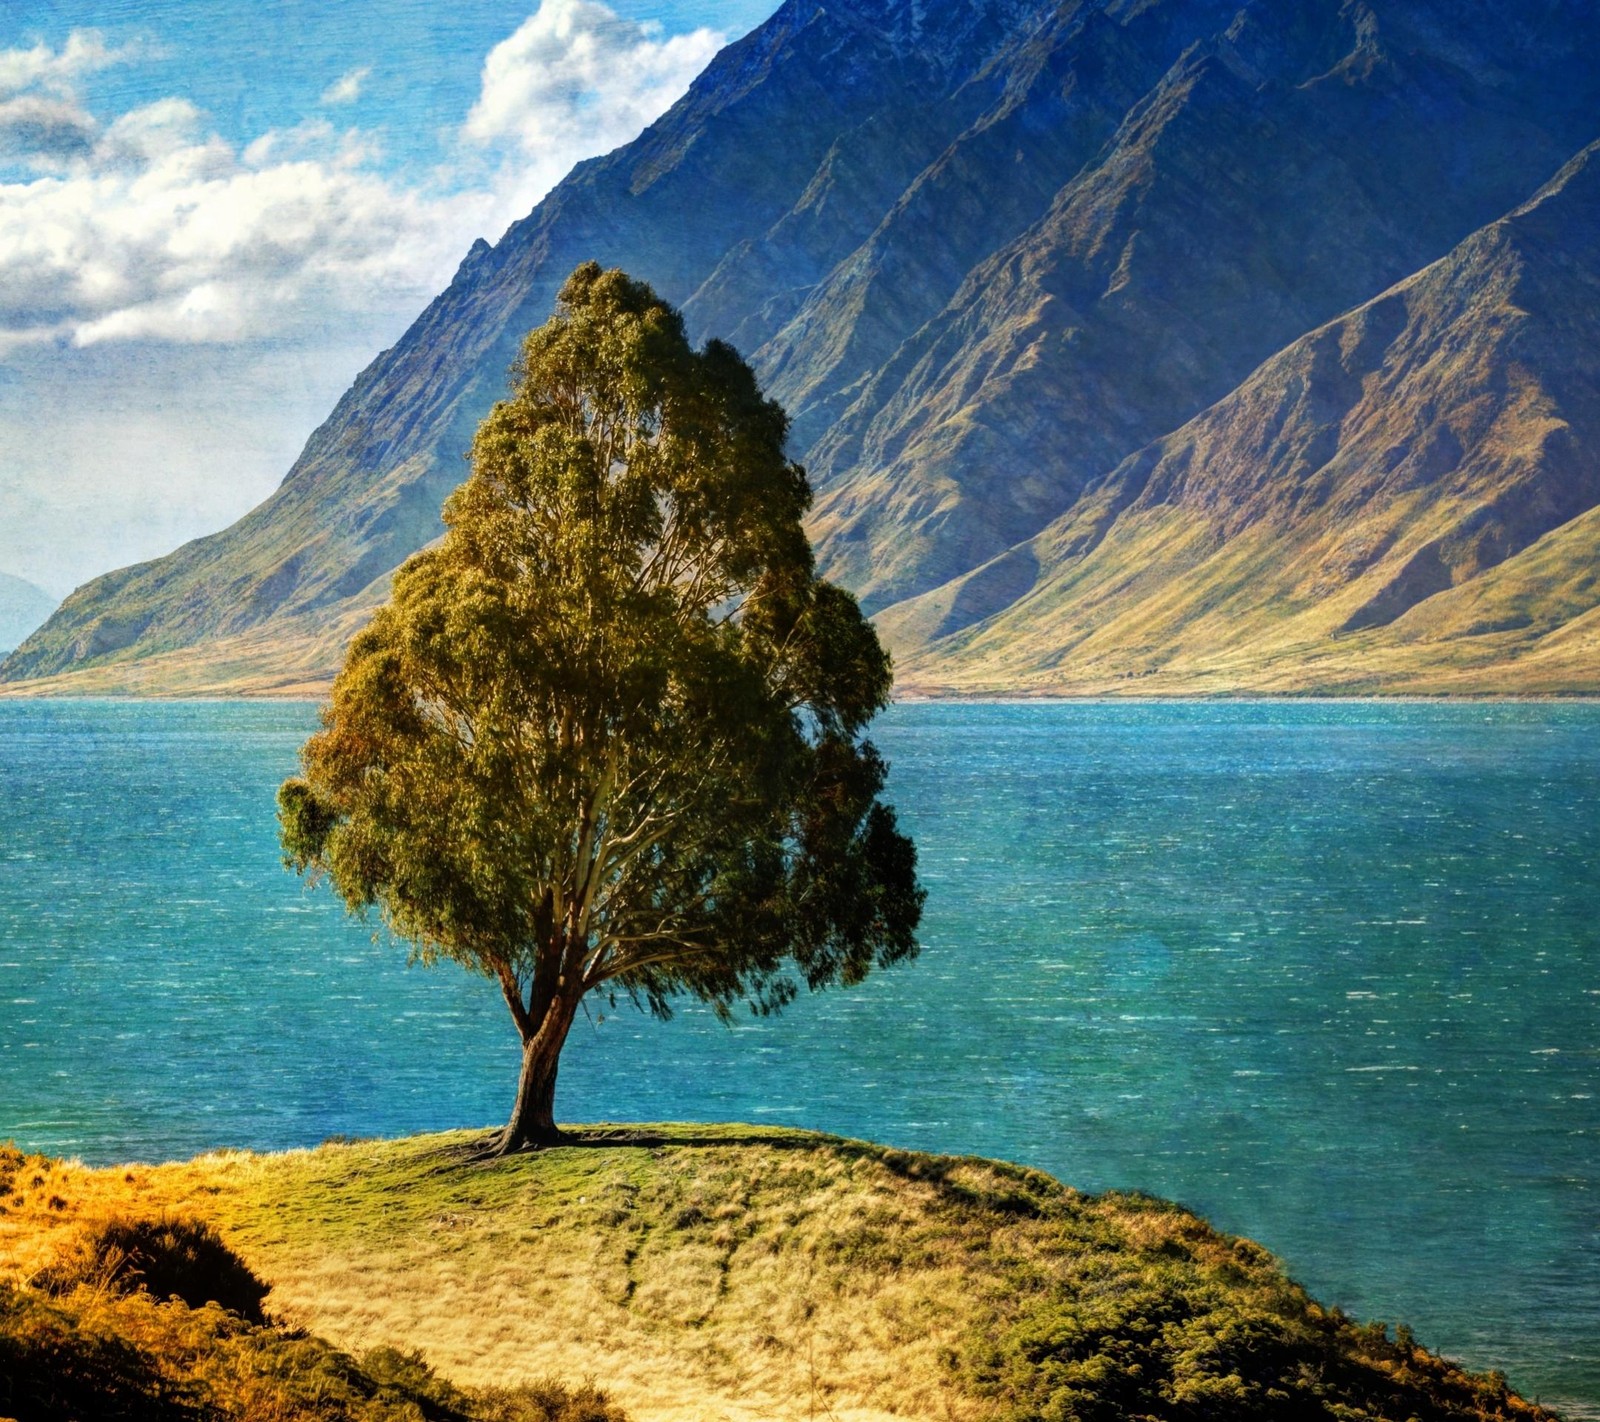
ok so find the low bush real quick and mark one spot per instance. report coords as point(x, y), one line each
point(167, 1258)
point(128, 1358)
point(157, 1320)
point(53, 1370)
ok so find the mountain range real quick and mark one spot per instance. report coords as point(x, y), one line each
point(1152, 345)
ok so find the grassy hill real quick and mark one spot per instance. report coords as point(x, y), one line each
point(701, 1272)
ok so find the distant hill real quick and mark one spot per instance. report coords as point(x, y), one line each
point(23, 608)
point(987, 252)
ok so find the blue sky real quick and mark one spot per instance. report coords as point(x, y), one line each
point(213, 213)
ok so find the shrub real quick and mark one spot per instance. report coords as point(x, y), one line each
point(546, 1401)
point(126, 1358)
point(168, 1258)
point(53, 1370)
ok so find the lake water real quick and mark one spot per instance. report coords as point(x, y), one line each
point(1327, 973)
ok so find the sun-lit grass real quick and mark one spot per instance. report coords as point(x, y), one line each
point(699, 1272)
point(149, 1316)
point(1164, 608)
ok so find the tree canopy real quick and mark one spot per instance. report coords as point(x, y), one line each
point(607, 734)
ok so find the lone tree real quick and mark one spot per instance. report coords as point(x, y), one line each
point(607, 733)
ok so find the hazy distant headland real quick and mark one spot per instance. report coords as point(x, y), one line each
point(1193, 348)
point(23, 608)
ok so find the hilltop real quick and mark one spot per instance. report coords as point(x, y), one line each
point(703, 1272)
point(1001, 259)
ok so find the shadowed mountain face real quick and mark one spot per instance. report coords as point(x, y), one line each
point(986, 251)
point(1273, 177)
point(1403, 499)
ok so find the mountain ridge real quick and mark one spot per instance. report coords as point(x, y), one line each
point(984, 252)
point(1495, 343)
point(23, 607)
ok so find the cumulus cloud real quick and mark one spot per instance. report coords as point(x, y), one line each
point(39, 127)
point(85, 52)
point(574, 80)
point(42, 123)
point(346, 89)
point(178, 309)
point(151, 227)
point(169, 235)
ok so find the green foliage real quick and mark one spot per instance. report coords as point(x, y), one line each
point(608, 733)
point(51, 1368)
point(1144, 1312)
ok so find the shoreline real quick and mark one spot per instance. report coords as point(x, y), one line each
point(21, 695)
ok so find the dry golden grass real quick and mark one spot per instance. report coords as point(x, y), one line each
point(696, 1281)
point(1171, 612)
point(696, 1290)
point(736, 1273)
point(276, 661)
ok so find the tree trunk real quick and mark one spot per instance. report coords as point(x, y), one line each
point(533, 1121)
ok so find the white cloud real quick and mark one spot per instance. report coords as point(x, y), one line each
point(575, 80)
point(160, 231)
point(40, 67)
point(153, 134)
point(42, 128)
point(42, 123)
point(346, 89)
point(178, 310)
point(152, 228)
point(315, 139)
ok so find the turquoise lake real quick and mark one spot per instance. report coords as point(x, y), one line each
point(1327, 973)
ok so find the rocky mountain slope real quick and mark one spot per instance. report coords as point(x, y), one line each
point(987, 252)
point(1404, 499)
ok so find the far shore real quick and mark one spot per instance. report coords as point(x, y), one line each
point(911, 696)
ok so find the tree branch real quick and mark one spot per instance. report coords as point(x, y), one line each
point(511, 989)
